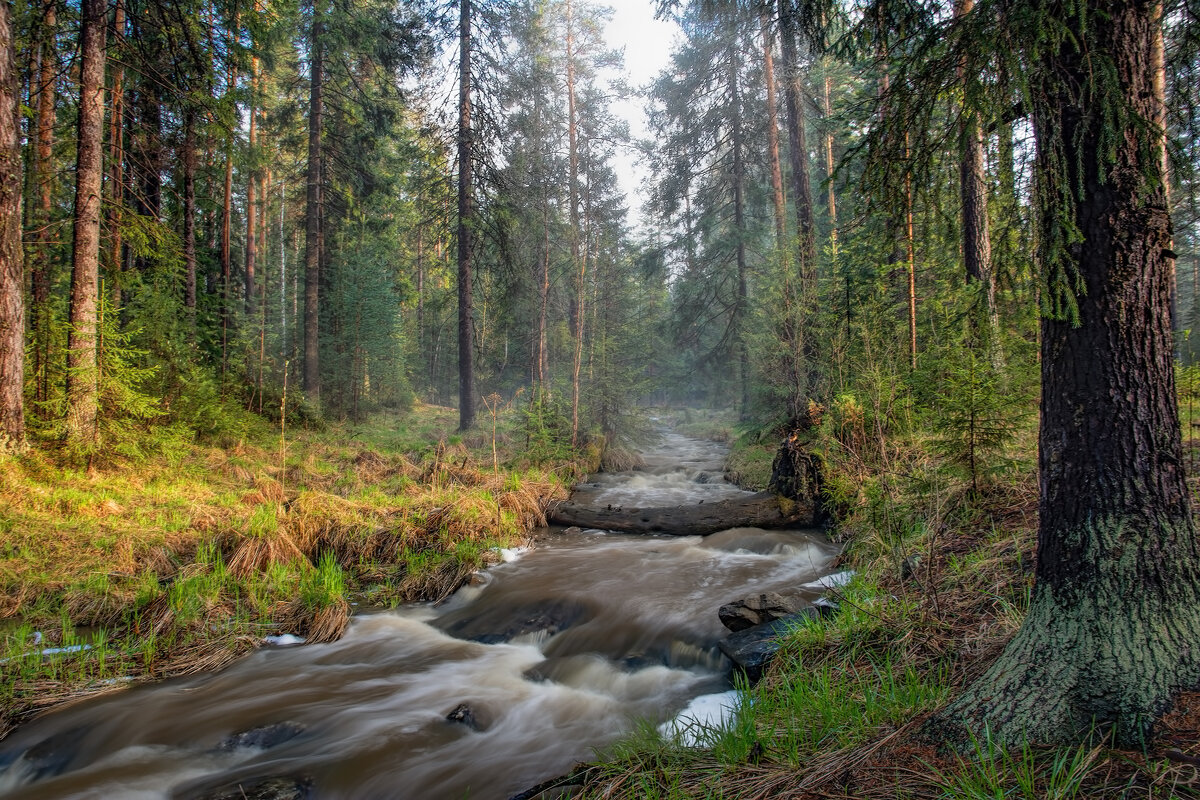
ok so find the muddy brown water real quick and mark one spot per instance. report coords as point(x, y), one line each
point(559, 652)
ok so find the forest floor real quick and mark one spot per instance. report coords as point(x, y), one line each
point(183, 561)
point(943, 578)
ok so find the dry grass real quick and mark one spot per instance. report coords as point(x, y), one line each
point(945, 621)
point(188, 562)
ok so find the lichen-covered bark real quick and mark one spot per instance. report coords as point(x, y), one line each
point(1114, 627)
point(1109, 655)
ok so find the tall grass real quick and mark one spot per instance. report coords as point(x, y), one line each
point(187, 559)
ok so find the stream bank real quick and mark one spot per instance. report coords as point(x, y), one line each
point(512, 680)
point(187, 561)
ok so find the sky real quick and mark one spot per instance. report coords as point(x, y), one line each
point(647, 44)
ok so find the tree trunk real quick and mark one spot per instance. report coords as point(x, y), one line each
point(543, 366)
point(41, 265)
point(466, 212)
point(911, 262)
point(977, 244)
point(578, 258)
point(252, 192)
point(802, 315)
point(189, 217)
point(12, 261)
point(227, 207)
point(116, 146)
point(1112, 628)
point(773, 131)
point(830, 165)
point(761, 510)
point(1158, 65)
point(312, 214)
point(742, 307)
point(82, 356)
point(793, 91)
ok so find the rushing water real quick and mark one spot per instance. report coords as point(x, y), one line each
point(558, 652)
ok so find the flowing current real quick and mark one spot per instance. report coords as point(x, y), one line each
point(558, 652)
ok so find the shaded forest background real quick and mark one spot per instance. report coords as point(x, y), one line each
point(281, 223)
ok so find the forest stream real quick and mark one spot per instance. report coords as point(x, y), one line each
point(551, 654)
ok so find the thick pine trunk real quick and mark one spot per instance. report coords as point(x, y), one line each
point(82, 356)
point(12, 262)
point(312, 216)
point(1115, 617)
point(466, 211)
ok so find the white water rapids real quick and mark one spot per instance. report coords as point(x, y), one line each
point(556, 654)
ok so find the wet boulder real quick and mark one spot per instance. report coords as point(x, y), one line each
point(752, 650)
point(465, 714)
point(52, 756)
point(757, 609)
point(503, 624)
point(263, 737)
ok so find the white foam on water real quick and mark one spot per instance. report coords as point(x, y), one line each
point(835, 581)
point(692, 726)
point(634, 620)
point(283, 640)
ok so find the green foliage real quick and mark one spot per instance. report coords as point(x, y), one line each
point(997, 773)
point(546, 427)
point(323, 585)
point(976, 414)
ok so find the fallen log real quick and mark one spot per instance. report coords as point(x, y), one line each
point(761, 510)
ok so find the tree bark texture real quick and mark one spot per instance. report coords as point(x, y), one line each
point(742, 307)
point(12, 261)
point(466, 212)
point(82, 355)
point(830, 165)
point(977, 243)
point(793, 90)
point(773, 131)
point(803, 338)
point(189, 216)
point(252, 193)
point(910, 254)
point(1113, 627)
point(542, 365)
point(41, 265)
point(312, 215)
point(578, 254)
point(227, 212)
point(761, 510)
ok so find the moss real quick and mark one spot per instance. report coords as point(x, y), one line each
point(749, 464)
